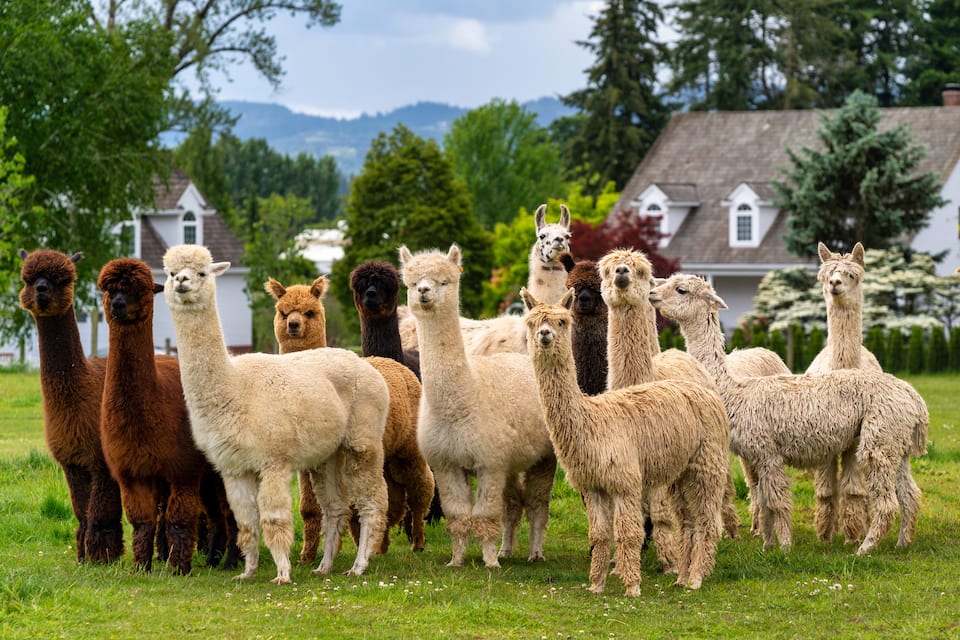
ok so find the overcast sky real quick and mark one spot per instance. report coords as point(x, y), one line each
point(385, 54)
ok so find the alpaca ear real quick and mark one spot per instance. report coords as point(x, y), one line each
point(455, 256)
point(824, 252)
point(528, 300)
point(564, 216)
point(405, 254)
point(566, 259)
point(219, 268)
point(658, 281)
point(23, 254)
point(274, 288)
point(857, 254)
point(77, 257)
point(539, 216)
point(567, 299)
point(319, 287)
point(157, 288)
point(714, 300)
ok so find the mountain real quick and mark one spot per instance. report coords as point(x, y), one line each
point(347, 140)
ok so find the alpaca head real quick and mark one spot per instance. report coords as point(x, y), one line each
point(842, 275)
point(191, 274)
point(432, 279)
point(685, 298)
point(300, 321)
point(48, 278)
point(375, 285)
point(552, 239)
point(548, 325)
point(128, 290)
point(626, 276)
point(584, 278)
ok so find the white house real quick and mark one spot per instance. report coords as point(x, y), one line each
point(709, 178)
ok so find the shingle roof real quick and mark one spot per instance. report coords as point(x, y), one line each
point(167, 193)
point(716, 151)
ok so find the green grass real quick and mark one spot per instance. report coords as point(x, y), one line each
point(814, 591)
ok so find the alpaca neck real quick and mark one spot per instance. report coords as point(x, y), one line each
point(564, 405)
point(844, 335)
point(547, 280)
point(62, 361)
point(381, 337)
point(130, 363)
point(444, 367)
point(201, 349)
point(631, 332)
point(706, 343)
point(588, 336)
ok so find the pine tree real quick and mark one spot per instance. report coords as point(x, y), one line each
point(622, 112)
point(758, 337)
point(778, 344)
point(895, 356)
point(814, 345)
point(915, 353)
point(860, 188)
point(937, 355)
point(796, 358)
point(737, 340)
point(954, 359)
point(876, 344)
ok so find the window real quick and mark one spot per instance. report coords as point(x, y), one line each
point(189, 228)
point(653, 209)
point(744, 223)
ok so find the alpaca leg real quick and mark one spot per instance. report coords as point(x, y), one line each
point(600, 522)
point(79, 484)
point(420, 492)
point(908, 494)
point(853, 498)
point(140, 498)
point(455, 495)
point(663, 514)
point(628, 534)
point(396, 509)
point(775, 504)
point(104, 518)
point(221, 543)
point(312, 518)
point(487, 513)
point(242, 496)
point(827, 494)
point(361, 472)
point(538, 486)
point(699, 501)
point(276, 518)
point(512, 512)
point(182, 513)
point(751, 479)
point(881, 477)
point(163, 546)
point(336, 513)
point(731, 519)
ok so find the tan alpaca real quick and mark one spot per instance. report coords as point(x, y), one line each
point(839, 485)
point(478, 417)
point(804, 421)
point(299, 324)
point(618, 446)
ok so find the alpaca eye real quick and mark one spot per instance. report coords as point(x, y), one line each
point(543, 236)
point(309, 314)
point(202, 274)
point(562, 323)
point(284, 315)
point(443, 283)
point(681, 291)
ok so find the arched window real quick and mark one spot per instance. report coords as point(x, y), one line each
point(654, 209)
point(189, 228)
point(744, 221)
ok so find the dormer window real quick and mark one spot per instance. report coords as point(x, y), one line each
point(744, 223)
point(751, 212)
point(189, 223)
point(671, 203)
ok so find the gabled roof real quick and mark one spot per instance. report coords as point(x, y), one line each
point(717, 151)
point(168, 193)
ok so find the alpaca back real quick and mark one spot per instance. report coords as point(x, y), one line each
point(755, 362)
point(400, 431)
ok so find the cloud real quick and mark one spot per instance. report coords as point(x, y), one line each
point(469, 35)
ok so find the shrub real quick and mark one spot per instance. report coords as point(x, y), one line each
point(954, 359)
point(937, 352)
point(758, 337)
point(814, 345)
point(915, 350)
point(666, 338)
point(778, 344)
point(795, 358)
point(737, 340)
point(876, 345)
point(895, 356)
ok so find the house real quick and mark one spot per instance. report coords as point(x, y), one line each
point(708, 177)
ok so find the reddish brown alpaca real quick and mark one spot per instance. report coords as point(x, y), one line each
point(145, 425)
point(72, 386)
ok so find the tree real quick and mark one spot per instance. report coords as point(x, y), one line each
point(860, 188)
point(938, 60)
point(505, 158)
point(623, 113)
point(407, 194)
point(622, 228)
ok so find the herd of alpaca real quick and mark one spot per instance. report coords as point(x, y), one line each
point(472, 416)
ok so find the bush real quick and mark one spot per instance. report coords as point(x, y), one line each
point(814, 345)
point(915, 351)
point(937, 352)
point(895, 356)
point(796, 359)
point(954, 360)
point(737, 340)
point(666, 338)
point(778, 344)
point(758, 338)
point(876, 345)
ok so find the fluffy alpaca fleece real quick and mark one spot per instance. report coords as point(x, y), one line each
point(145, 426)
point(478, 416)
point(72, 386)
point(619, 445)
point(634, 357)
point(376, 288)
point(589, 331)
point(842, 278)
point(804, 421)
point(547, 279)
point(409, 479)
point(260, 417)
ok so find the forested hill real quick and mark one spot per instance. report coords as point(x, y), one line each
point(348, 140)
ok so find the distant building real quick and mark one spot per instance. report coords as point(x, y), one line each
point(322, 247)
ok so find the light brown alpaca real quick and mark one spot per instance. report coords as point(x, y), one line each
point(618, 446)
point(842, 278)
point(634, 357)
point(299, 324)
point(804, 421)
point(478, 417)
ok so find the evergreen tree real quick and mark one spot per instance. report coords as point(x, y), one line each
point(737, 340)
point(758, 337)
point(665, 338)
point(861, 188)
point(796, 355)
point(813, 346)
point(938, 60)
point(895, 356)
point(937, 351)
point(954, 359)
point(876, 344)
point(623, 114)
point(778, 344)
point(915, 355)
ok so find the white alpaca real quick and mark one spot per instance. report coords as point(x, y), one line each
point(478, 416)
point(547, 280)
point(261, 417)
point(804, 421)
point(617, 446)
point(842, 278)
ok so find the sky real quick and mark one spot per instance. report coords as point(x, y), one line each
point(385, 54)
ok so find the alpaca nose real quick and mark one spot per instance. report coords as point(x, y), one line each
point(293, 326)
point(622, 270)
point(370, 294)
point(545, 335)
point(42, 285)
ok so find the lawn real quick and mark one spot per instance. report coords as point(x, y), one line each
point(816, 590)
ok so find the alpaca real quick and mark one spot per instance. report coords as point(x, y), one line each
point(619, 445)
point(804, 421)
point(842, 278)
point(376, 286)
point(409, 479)
point(589, 330)
point(547, 279)
point(476, 418)
point(145, 427)
point(72, 386)
point(260, 417)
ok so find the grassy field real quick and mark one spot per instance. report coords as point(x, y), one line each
point(814, 591)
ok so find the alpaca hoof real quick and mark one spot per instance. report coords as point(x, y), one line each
point(536, 557)
point(281, 580)
point(243, 576)
point(492, 565)
point(632, 591)
point(596, 588)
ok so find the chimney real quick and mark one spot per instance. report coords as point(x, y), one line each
point(951, 94)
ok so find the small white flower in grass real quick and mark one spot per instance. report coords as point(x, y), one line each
point(836, 586)
point(40, 553)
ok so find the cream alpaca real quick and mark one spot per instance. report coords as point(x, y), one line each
point(804, 421)
point(261, 417)
point(547, 280)
point(478, 416)
point(619, 445)
point(842, 278)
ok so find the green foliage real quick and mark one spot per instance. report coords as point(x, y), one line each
point(876, 344)
point(954, 358)
point(861, 188)
point(915, 351)
point(737, 341)
point(797, 355)
point(506, 160)
point(759, 337)
point(407, 194)
point(896, 358)
point(666, 338)
point(778, 344)
point(937, 61)
point(937, 353)
point(814, 344)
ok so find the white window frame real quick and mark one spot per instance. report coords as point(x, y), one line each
point(186, 224)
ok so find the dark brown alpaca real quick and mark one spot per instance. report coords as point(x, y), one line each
point(375, 286)
point(145, 427)
point(589, 330)
point(72, 386)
